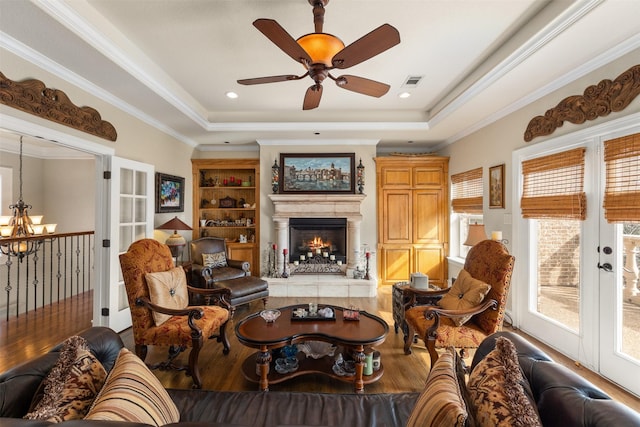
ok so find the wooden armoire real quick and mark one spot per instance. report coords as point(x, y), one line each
point(413, 217)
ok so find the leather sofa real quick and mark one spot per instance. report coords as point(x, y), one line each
point(563, 398)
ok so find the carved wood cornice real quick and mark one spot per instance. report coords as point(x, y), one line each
point(597, 101)
point(33, 97)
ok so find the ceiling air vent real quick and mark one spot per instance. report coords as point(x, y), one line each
point(412, 81)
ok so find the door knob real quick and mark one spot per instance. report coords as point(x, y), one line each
point(606, 266)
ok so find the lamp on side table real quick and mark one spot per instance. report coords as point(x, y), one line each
point(175, 242)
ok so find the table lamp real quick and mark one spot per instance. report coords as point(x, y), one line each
point(475, 235)
point(175, 242)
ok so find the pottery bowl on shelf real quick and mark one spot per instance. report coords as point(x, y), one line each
point(270, 315)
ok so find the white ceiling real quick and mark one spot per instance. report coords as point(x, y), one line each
point(170, 62)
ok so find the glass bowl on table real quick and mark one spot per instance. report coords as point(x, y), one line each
point(270, 315)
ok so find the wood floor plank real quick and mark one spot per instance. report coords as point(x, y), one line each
point(35, 333)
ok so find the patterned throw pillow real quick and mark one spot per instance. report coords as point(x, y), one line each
point(441, 402)
point(72, 384)
point(465, 293)
point(219, 259)
point(496, 390)
point(132, 393)
point(167, 289)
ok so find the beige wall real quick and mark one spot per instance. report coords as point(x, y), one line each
point(494, 144)
point(136, 139)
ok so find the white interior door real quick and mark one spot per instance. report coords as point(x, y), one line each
point(132, 205)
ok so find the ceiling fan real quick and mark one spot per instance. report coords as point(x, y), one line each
point(320, 53)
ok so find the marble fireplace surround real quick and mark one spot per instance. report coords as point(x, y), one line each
point(346, 206)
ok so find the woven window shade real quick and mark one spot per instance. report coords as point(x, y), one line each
point(466, 192)
point(554, 186)
point(622, 189)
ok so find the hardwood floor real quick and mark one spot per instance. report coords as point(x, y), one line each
point(35, 333)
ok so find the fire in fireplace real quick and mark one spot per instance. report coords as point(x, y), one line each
point(322, 237)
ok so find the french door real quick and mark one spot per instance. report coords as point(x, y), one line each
point(131, 219)
point(570, 286)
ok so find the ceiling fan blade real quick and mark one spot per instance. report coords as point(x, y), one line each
point(377, 41)
point(312, 97)
point(271, 79)
point(362, 85)
point(282, 39)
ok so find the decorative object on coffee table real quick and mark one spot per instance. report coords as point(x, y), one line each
point(253, 332)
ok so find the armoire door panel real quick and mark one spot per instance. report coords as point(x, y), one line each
point(396, 264)
point(397, 214)
point(428, 177)
point(396, 177)
point(430, 260)
point(427, 217)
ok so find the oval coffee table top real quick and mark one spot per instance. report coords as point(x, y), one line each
point(254, 331)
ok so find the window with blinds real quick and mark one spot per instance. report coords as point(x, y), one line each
point(466, 192)
point(554, 186)
point(622, 188)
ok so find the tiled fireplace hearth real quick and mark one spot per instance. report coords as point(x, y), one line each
point(288, 206)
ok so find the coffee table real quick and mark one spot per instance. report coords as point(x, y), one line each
point(354, 336)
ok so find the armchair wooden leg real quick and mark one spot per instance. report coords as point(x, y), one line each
point(408, 338)
point(433, 354)
point(194, 370)
point(223, 338)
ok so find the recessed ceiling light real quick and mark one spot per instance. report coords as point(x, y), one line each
point(231, 95)
point(404, 95)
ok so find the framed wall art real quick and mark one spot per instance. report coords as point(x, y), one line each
point(496, 187)
point(169, 193)
point(317, 173)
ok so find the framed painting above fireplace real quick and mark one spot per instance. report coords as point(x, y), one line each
point(317, 173)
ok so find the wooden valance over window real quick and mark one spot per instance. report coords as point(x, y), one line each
point(554, 186)
point(622, 189)
point(466, 192)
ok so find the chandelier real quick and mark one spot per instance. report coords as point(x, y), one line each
point(20, 227)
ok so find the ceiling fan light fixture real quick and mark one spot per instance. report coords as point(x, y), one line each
point(321, 47)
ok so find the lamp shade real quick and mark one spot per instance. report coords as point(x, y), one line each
point(475, 235)
point(174, 224)
point(175, 242)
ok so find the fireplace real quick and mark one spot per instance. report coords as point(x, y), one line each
point(321, 238)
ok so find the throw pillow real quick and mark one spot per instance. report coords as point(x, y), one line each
point(465, 293)
point(132, 393)
point(167, 289)
point(71, 385)
point(441, 402)
point(216, 260)
point(496, 390)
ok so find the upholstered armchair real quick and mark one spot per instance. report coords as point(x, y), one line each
point(488, 263)
point(158, 297)
point(210, 268)
point(227, 268)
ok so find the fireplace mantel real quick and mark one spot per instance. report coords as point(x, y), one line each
point(316, 205)
point(347, 206)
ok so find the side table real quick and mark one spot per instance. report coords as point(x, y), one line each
point(400, 297)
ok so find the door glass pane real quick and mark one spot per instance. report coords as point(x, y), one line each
point(126, 237)
point(141, 183)
point(630, 294)
point(126, 181)
point(141, 209)
point(126, 210)
point(140, 232)
point(559, 271)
